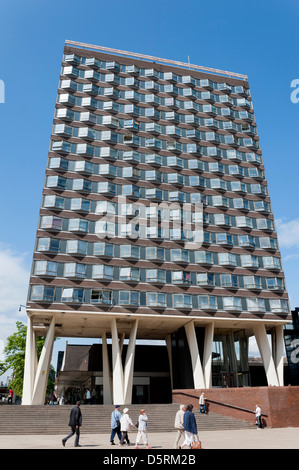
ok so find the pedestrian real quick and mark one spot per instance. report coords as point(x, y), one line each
point(93, 396)
point(190, 427)
point(258, 415)
point(10, 396)
point(142, 430)
point(202, 404)
point(87, 400)
point(75, 422)
point(115, 424)
point(125, 425)
point(179, 425)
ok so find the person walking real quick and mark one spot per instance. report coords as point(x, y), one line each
point(258, 415)
point(190, 427)
point(125, 425)
point(142, 430)
point(75, 422)
point(10, 396)
point(179, 425)
point(202, 404)
point(115, 424)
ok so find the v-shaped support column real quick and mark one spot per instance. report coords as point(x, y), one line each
point(42, 372)
point(198, 376)
point(123, 377)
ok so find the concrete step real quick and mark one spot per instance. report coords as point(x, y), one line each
point(17, 419)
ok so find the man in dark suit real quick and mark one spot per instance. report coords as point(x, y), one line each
point(75, 422)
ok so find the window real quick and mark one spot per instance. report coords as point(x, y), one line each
point(156, 276)
point(224, 239)
point(129, 251)
point(129, 298)
point(76, 247)
point(101, 296)
point(154, 253)
point(105, 208)
point(256, 305)
point(232, 303)
point(249, 261)
point(72, 294)
point(45, 268)
point(43, 293)
point(247, 241)
point(54, 202)
point(155, 299)
point(75, 270)
point(207, 302)
point(78, 225)
point(270, 262)
point(181, 277)
point(179, 256)
point(103, 272)
point(205, 279)
point(203, 257)
point(229, 281)
point(129, 274)
point(252, 282)
point(50, 223)
point(50, 245)
point(275, 283)
point(227, 259)
point(103, 249)
point(182, 301)
point(56, 182)
point(279, 306)
point(80, 205)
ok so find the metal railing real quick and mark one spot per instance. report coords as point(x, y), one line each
point(227, 405)
point(156, 59)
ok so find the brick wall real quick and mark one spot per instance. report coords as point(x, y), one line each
point(280, 404)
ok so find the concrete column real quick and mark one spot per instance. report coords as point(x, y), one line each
point(277, 348)
point(207, 358)
point(129, 365)
point(169, 351)
point(29, 367)
point(198, 376)
point(107, 392)
point(117, 369)
point(265, 351)
point(42, 373)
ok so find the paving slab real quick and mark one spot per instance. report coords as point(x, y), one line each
point(285, 438)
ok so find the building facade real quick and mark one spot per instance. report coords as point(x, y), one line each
point(155, 224)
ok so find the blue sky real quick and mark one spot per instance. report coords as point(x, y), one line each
point(257, 38)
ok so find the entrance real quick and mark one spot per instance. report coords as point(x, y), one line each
point(230, 359)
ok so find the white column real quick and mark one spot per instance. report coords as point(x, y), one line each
point(278, 352)
point(129, 365)
point(169, 351)
point(265, 351)
point(42, 373)
point(198, 377)
point(117, 369)
point(107, 395)
point(29, 367)
point(207, 357)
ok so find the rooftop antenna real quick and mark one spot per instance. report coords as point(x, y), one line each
point(189, 62)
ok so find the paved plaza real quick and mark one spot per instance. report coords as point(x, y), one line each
point(286, 438)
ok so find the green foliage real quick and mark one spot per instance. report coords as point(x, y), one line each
point(15, 359)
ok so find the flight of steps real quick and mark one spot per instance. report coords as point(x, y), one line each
point(53, 419)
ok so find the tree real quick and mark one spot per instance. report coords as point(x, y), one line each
point(15, 359)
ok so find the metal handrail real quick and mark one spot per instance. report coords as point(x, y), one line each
point(228, 405)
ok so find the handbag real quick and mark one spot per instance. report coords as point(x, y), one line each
point(196, 445)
